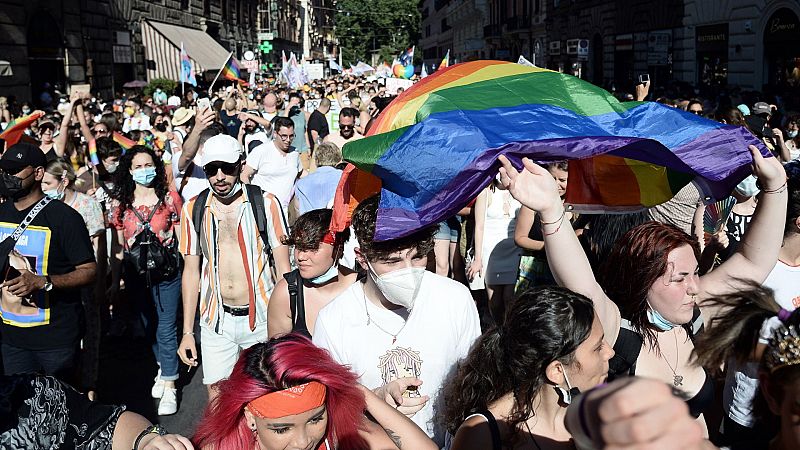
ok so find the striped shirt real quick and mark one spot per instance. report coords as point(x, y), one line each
point(258, 274)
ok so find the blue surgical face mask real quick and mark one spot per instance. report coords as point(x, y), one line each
point(55, 194)
point(144, 176)
point(330, 274)
point(658, 320)
point(791, 134)
point(748, 187)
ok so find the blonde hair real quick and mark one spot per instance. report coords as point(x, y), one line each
point(327, 154)
point(63, 170)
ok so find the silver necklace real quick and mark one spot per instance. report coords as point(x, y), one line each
point(370, 321)
point(677, 380)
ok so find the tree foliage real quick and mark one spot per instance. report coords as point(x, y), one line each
point(165, 84)
point(385, 26)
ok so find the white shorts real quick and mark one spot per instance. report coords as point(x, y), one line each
point(220, 351)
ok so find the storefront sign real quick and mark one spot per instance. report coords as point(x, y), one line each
point(658, 44)
point(712, 38)
point(782, 27)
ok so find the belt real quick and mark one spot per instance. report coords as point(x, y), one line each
point(237, 311)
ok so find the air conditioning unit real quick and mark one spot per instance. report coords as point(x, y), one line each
point(555, 47)
point(572, 46)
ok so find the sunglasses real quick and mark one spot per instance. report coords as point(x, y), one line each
point(226, 168)
point(100, 130)
point(346, 127)
point(698, 113)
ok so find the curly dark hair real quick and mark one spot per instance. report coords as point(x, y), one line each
point(542, 325)
point(365, 217)
point(124, 184)
point(310, 228)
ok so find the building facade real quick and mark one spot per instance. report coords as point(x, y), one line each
point(51, 45)
point(437, 31)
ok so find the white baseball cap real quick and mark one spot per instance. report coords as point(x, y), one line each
point(222, 148)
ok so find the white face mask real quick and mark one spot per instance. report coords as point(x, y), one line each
point(748, 187)
point(401, 286)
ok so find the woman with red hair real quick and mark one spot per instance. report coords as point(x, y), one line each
point(289, 394)
point(659, 300)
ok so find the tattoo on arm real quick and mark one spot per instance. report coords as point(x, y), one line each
point(394, 437)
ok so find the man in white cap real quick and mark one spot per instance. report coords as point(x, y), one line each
point(238, 230)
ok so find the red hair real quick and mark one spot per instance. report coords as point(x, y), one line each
point(280, 363)
point(636, 261)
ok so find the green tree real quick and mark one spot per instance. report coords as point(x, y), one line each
point(165, 84)
point(384, 26)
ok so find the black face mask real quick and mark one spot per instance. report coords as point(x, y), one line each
point(162, 127)
point(11, 186)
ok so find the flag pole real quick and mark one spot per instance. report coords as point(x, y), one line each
point(211, 88)
point(183, 84)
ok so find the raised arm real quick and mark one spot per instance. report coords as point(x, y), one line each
point(191, 145)
point(758, 250)
point(536, 189)
point(60, 141)
point(85, 130)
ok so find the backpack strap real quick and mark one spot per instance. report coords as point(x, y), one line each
point(198, 213)
point(141, 218)
point(494, 430)
point(626, 352)
point(187, 172)
point(256, 198)
point(292, 285)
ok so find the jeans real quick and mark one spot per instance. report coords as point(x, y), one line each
point(59, 362)
point(158, 309)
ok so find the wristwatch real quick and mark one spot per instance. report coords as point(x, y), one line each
point(154, 429)
point(48, 283)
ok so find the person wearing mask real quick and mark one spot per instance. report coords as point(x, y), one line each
point(347, 129)
point(792, 138)
point(41, 306)
point(275, 166)
point(57, 183)
point(143, 201)
point(652, 274)
point(135, 118)
point(389, 326)
point(552, 347)
point(227, 260)
point(303, 292)
point(97, 181)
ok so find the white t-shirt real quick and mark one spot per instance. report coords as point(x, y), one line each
point(741, 383)
point(439, 332)
point(197, 181)
point(276, 172)
point(259, 135)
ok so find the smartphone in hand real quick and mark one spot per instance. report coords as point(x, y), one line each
point(644, 78)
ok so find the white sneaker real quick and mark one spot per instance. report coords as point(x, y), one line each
point(157, 391)
point(169, 402)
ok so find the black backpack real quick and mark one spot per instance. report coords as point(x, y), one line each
point(148, 258)
point(256, 197)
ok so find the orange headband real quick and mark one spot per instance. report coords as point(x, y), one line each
point(290, 401)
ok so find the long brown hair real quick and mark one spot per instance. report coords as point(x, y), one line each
point(637, 260)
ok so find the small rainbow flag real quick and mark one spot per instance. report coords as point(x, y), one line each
point(93, 153)
point(123, 141)
point(15, 129)
point(445, 61)
point(231, 70)
point(435, 147)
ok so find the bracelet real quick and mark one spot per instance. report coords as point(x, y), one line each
point(563, 213)
point(188, 333)
point(152, 429)
point(778, 190)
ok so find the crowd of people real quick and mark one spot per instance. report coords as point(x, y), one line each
point(201, 221)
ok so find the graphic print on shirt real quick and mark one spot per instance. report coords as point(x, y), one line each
point(400, 362)
point(31, 253)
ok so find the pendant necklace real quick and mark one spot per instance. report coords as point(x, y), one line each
point(370, 321)
point(677, 380)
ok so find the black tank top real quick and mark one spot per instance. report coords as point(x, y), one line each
point(297, 303)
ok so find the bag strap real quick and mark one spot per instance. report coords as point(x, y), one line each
point(494, 430)
point(146, 221)
point(37, 208)
point(292, 286)
point(256, 198)
point(198, 213)
point(626, 351)
point(186, 174)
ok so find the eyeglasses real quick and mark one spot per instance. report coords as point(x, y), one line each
point(346, 127)
point(286, 137)
point(226, 168)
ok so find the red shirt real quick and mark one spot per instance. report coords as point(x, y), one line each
point(164, 222)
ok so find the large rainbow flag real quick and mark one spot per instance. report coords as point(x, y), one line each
point(16, 128)
point(435, 147)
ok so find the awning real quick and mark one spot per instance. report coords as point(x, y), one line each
point(162, 43)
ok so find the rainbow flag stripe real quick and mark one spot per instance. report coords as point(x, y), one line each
point(435, 147)
point(231, 70)
point(93, 153)
point(123, 141)
point(16, 128)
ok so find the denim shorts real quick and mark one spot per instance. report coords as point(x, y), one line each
point(449, 229)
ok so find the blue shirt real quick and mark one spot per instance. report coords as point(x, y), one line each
point(316, 190)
